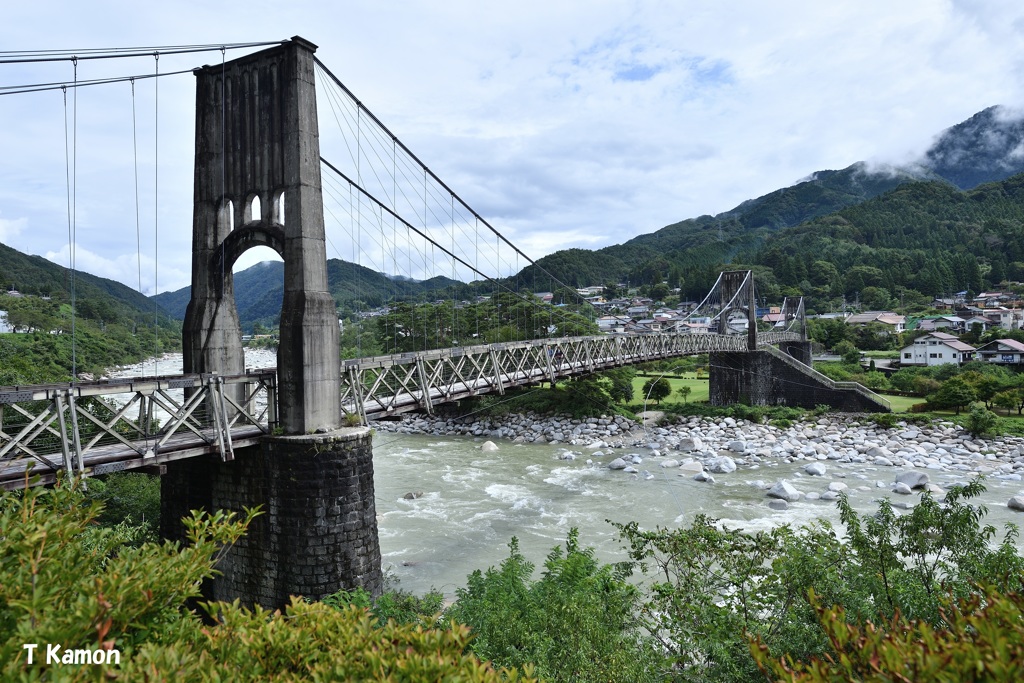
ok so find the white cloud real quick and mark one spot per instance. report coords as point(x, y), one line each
point(134, 270)
point(10, 229)
point(569, 123)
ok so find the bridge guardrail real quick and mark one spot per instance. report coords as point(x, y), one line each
point(92, 427)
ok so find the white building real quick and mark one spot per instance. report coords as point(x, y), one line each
point(936, 348)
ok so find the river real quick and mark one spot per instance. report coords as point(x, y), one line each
point(473, 502)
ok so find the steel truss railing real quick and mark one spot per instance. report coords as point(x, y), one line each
point(390, 385)
point(98, 427)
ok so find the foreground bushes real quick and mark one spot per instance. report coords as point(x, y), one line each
point(712, 588)
point(65, 580)
point(899, 599)
point(980, 639)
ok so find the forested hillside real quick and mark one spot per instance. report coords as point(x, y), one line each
point(696, 242)
point(922, 240)
point(111, 323)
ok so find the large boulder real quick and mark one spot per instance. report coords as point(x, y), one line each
point(737, 446)
point(721, 465)
point(488, 446)
point(1016, 503)
point(913, 479)
point(617, 464)
point(691, 443)
point(692, 467)
point(784, 491)
point(815, 469)
point(878, 452)
point(669, 462)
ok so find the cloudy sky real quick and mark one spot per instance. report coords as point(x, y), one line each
point(566, 123)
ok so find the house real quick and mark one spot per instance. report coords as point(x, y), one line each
point(683, 327)
point(651, 324)
point(895, 323)
point(1007, 318)
point(950, 323)
point(991, 299)
point(936, 348)
point(1003, 351)
point(613, 323)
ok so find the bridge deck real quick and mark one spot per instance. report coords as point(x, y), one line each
point(42, 427)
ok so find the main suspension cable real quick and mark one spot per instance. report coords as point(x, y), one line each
point(68, 55)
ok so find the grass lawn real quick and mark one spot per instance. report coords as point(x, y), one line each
point(698, 390)
point(901, 404)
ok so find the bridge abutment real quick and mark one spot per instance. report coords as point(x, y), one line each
point(318, 530)
point(760, 378)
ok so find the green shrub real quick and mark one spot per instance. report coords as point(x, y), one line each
point(394, 605)
point(885, 420)
point(980, 421)
point(131, 497)
point(576, 623)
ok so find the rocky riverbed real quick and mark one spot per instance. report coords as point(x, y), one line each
point(705, 447)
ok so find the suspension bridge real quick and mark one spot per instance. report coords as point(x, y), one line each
point(294, 437)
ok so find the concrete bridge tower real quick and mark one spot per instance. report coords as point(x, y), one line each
point(257, 183)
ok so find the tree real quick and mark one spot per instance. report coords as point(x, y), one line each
point(849, 352)
point(655, 389)
point(659, 291)
point(1010, 399)
point(875, 298)
point(621, 379)
point(954, 393)
point(980, 421)
point(830, 332)
point(684, 391)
